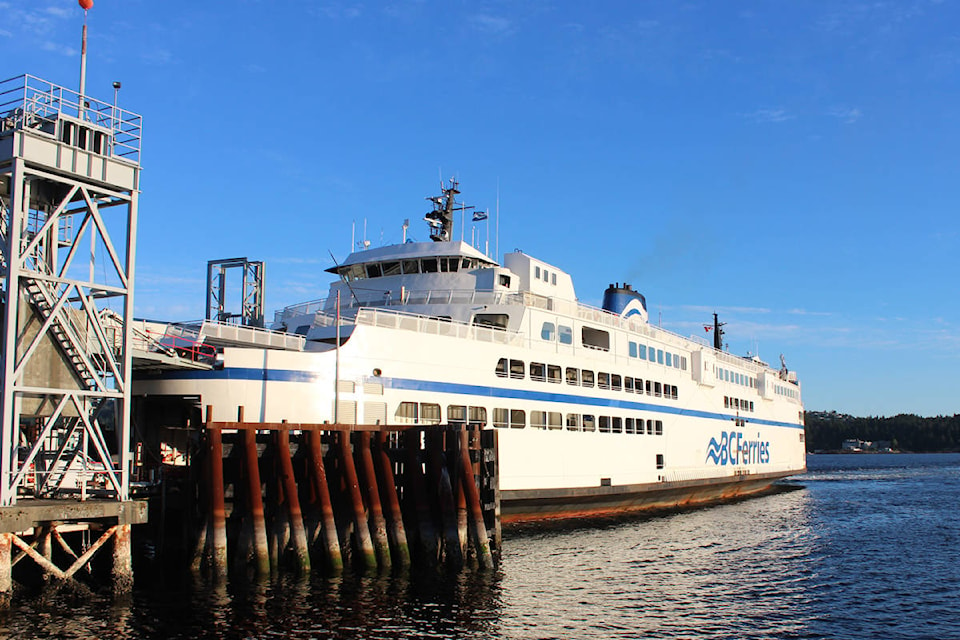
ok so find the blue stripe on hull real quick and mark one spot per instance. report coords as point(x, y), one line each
point(289, 375)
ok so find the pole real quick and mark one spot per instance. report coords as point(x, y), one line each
point(83, 66)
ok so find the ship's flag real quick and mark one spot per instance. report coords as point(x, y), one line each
point(708, 329)
point(479, 215)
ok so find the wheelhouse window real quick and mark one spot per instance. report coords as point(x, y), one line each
point(429, 265)
point(391, 268)
point(411, 266)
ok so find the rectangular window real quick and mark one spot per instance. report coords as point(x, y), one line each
point(628, 384)
point(518, 419)
point(429, 413)
point(649, 427)
point(633, 349)
point(628, 425)
point(683, 363)
point(516, 369)
point(676, 361)
point(589, 424)
point(615, 382)
point(674, 392)
point(751, 405)
point(659, 427)
point(603, 380)
point(536, 272)
point(538, 419)
point(501, 417)
point(669, 358)
point(566, 335)
point(638, 385)
point(504, 280)
point(586, 378)
point(546, 276)
point(478, 416)
point(617, 425)
point(553, 278)
point(456, 413)
point(538, 371)
point(553, 374)
point(429, 265)
point(502, 368)
point(657, 389)
point(604, 424)
point(407, 413)
point(595, 338)
point(659, 461)
point(643, 351)
point(659, 356)
point(411, 266)
point(726, 402)
point(573, 422)
point(649, 388)
point(555, 420)
point(573, 375)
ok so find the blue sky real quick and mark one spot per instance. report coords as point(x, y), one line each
point(790, 165)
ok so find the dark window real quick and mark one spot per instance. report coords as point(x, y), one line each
point(429, 265)
point(373, 271)
point(456, 413)
point(649, 388)
point(411, 266)
point(638, 385)
point(537, 371)
point(517, 419)
point(603, 380)
point(589, 424)
point(516, 369)
point(628, 425)
point(595, 338)
point(615, 382)
point(502, 368)
point(573, 375)
point(650, 427)
point(586, 378)
point(302, 330)
point(657, 389)
point(478, 416)
point(628, 384)
point(659, 427)
point(659, 461)
point(604, 422)
point(504, 280)
point(495, 320)
point(573, 421)
point(616, 426)
point(553, 373)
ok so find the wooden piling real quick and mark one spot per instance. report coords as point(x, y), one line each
point(377, 523)
point(298, 532)
point(217, 507)
point(328, 525)
point(416, 484)
point(440, 475)
point(122, 560)
point(261, 548)
point(484, 555)
point(388, 489)
point(6, 569)
point(362, 531)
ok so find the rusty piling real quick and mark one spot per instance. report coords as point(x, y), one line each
point(328, 524)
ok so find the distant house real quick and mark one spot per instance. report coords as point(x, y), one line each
point(856, 445)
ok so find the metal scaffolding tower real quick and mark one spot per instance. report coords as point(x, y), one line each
point(69, 183)
point(251, 300)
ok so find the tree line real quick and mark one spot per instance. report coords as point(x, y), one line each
point(826, 431)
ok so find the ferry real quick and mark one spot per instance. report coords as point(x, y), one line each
point(597, 411)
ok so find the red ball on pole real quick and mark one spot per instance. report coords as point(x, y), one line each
point(85, 4)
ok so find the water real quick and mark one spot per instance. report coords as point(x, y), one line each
point(863, 546)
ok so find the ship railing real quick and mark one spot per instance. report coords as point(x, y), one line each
point(570, 308)
point(430, 325)
point(30, 103)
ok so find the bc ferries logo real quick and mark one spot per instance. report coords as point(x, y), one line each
point(734, 447)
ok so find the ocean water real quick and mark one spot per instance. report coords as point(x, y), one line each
point(862, 546)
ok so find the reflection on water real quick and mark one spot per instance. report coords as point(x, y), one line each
point(864, 547)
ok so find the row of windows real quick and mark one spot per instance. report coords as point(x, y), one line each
point(429, 413)
point(726, 375)
point(415, 265)
point(547, 276)
point(737, 403)
point(551, 332)
point(540, 372)
point(786, 391)
point(658, 356)
point(516, 419)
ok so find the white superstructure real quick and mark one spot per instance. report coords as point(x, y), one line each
point(596, 410)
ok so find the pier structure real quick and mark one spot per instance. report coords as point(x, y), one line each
point(255, 498)
point(69, 186)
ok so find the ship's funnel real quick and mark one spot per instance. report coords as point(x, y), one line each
point(624, 301)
